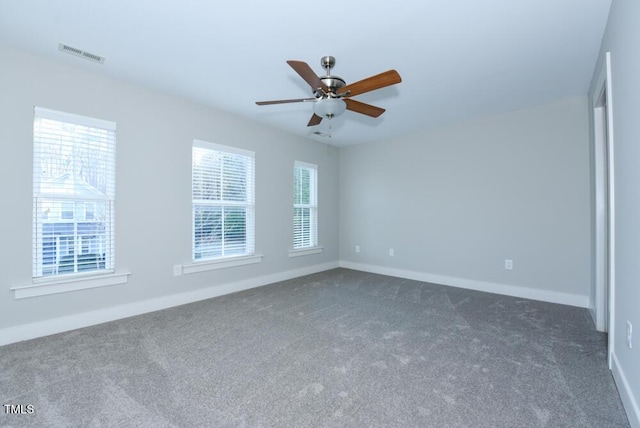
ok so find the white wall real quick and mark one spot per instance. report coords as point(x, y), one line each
point(621, 39)
point(153, 203)
point(455, 202)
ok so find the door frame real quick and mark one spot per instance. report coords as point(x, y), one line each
point(604, 204)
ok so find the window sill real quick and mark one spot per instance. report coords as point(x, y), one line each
point(305, 251)
point(61, 285)
point(221, 263)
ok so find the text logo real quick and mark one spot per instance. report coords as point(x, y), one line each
point(19, 409)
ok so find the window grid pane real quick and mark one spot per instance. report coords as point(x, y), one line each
point(223, 202)
point(305, 207)
point(73, 193)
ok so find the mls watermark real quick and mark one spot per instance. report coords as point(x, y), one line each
point(19, 409)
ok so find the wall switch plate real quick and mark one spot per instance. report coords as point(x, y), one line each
point(391, 252)
point(357, 248)
point(508, 264)
point(177, 270)
point(629, 334)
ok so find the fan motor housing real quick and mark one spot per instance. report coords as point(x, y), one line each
point(333, 83)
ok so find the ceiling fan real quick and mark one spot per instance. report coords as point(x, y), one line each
point(331, 94)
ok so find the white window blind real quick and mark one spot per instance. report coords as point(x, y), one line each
point(223, 195)
point(305, 205)
point(73, 194)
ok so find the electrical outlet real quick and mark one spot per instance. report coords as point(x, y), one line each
point(629, 333)
point(508, 264)
point(391, 252)
point(357, 248)
point(177, 270)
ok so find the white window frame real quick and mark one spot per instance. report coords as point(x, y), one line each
point(306, 242)
point(75, 202)
point(223, 261)
point(64, 282)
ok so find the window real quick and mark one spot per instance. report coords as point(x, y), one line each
point(305, 205)
point(73, 194)
point(223, 201)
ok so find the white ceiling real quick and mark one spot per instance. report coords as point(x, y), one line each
point(458, 59)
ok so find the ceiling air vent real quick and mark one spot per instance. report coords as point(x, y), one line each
point(79, 52)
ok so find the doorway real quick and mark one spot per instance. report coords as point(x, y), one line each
point(604, 203)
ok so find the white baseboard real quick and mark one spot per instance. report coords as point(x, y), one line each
point(592, 312)
point(85, 319)
point(626, 394)
point(490, 287)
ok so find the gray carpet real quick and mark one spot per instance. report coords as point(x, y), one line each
point(336, 349)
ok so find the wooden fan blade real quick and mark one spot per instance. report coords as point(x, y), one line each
point(297, 100)
point(315, 120)
point(360, 107)
point(303, 69)
point(378, 81)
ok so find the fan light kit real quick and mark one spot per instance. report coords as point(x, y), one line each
point(331, 94)
point(329, 107)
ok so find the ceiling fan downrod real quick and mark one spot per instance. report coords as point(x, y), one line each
point(328, 62)
point(333, 83)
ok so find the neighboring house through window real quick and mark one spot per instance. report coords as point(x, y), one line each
point(305, 205)
point(223, 201)
point(73, 194)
